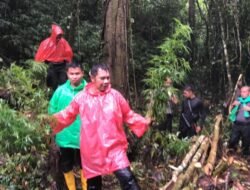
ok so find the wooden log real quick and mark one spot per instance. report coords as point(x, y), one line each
point(220, 168)
point(189, 174)
point(183, 165)
point(204, 156)
point(208, 168)
point(187, 158)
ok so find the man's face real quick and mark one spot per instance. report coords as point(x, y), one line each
point(187, 93)
point(75, 75)
point(101, 80)
point(58, 38)
point(168, 82)
point(244, 92)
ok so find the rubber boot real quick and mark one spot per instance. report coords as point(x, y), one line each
point(70, 180)
point(127, 179)
point(83, 181)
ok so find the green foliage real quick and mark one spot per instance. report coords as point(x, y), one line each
point(161, 145)
point(24, 24)
point(88, 43)
point(152, 21)
point(23, 151)
point(24, 171)
point(170, 63)
point(18, 133)
point(26, 86)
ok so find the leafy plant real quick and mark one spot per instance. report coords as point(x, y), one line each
point(170, 63)
point(162, 146)
point(24, 171)
point(26, 86)
point(23, 150)
point(18, 133)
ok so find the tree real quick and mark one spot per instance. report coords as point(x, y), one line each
point(115, 39)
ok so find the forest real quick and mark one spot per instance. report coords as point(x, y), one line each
point(205, 43)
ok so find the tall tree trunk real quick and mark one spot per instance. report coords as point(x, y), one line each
point(223, 38)
point(237, 25)
point(115, 39)
point(191, 19)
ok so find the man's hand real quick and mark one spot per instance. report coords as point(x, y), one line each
point(246, 108)
point(48, 120)
point(197, 129)
point(235, 103)
point(174, 99)
point(149, 120)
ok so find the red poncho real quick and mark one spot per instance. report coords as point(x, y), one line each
point(52, 51)
point(103, 142)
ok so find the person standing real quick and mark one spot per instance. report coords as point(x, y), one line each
point(173, 100)
point(240, 117)
point(103, 143)
point(56, 52)
point(193, 115)
point(68, 139)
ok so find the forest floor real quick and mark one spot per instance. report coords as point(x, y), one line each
point(232, 173)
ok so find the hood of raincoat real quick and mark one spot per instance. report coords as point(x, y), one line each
point(55, 31)
point(52, 51)
point(103, 141)
point(64, 94)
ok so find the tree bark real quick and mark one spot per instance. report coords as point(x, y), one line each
point(225, 49)
point(237, 25)
point(115, 50)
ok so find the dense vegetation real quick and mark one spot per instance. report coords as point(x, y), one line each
point(203, 42)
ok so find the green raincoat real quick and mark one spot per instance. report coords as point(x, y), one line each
point(64, 94)
point(243, 101)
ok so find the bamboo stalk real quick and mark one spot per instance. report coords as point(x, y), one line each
point(220, 168)
point(183, 165)
point(150, 105)
point(208, 168)
point(234, 93)
point(187, 158)
point(184, 178)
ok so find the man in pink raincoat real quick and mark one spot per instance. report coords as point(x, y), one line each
point(103, 142)
point(56, 52)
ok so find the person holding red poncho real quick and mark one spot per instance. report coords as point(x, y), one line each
point(56, 52)
point(103, 142)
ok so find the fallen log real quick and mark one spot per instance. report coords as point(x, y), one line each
point(187, 158)
point(208, 168)
point(189, 174)
point(183, 165)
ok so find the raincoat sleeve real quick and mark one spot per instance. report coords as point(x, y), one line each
point(135, 122)
point(66, 117)
point(40, 52)
point(68, 52)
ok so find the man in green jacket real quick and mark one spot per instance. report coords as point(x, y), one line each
point(68, 139)
point(240, 117)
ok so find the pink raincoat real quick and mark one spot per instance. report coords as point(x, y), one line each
point(103, 142)
point(54, 52)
